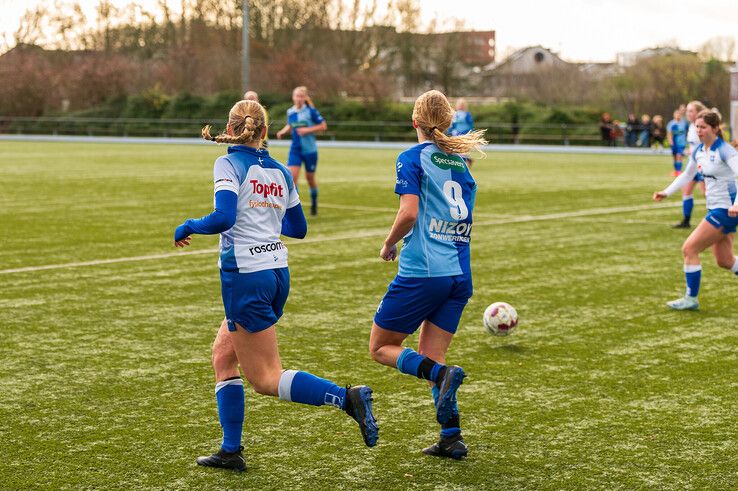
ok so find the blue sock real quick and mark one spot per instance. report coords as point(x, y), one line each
point(452, 427)
point(306, 388)
point(411, 362)
point(687, 205)
point(693, 272)
point(677, 166)
point(314, 196)
point(229, 394)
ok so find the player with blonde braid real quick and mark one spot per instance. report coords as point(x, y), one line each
point(256, 201)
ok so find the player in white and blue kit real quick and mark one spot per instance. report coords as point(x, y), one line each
point(256, 201)
point(718, 162)
point(693, 141)
point(303, 120)
point(434, 282)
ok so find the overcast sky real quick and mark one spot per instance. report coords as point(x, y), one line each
point(581, 30)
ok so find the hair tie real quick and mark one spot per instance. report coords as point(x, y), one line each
point(434, 128)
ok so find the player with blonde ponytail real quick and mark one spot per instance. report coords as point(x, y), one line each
point(434, 283)
point(256, 201)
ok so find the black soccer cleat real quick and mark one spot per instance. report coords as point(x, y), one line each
point(452, 447)
point(682, 224)
point(224, 460)
point(447, 387)
point(359, 406)
point(314, 209)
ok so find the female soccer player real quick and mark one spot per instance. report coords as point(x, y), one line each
point(434, 280)
point(676, 133)
point(304, 121)
point(718, 162)
point(255, 201)
point(461, 124)
point(693, 141)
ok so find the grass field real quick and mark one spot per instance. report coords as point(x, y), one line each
point(105, 379)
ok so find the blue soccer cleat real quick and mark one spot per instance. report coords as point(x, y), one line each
point(447, 387)
point(684, 303)
point(359, 407)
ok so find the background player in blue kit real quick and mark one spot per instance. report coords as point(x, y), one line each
point(434, 281)
point(304, 121)
point(256, 201)
point(676, 131)
point(462, 123)
point(693, 141)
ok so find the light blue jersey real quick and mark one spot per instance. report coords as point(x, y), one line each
point(438, 244)
point(461, 124)
point(300, 118)
point(678, 131)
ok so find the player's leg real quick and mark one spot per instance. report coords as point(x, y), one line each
point(705, 235)
point(311, 164)
point(294, 162)
point(229, 395)
point(677, 156)
point(723, 252)
point(687, 205)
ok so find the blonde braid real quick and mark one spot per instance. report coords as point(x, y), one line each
point(246, 120)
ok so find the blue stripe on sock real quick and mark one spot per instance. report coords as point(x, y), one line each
point(230, 413)
point(409, 361)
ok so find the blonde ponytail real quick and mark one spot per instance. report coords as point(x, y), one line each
point(308, 99)
point(246, 120)
point(433, 115)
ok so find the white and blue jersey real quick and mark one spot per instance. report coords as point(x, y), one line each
point(461, 124)
point(265, 191)
point(438, 244)
point(300, 118)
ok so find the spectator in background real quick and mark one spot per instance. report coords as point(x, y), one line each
point(644, 138)
point(618, 132)
point(631, 130)
point(658, 131)
point(606, 129)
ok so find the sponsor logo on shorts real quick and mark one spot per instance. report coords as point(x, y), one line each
point(266, 190)
point(270, 247)
point(449, 231)
point(445, 162)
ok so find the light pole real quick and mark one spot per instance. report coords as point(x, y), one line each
point(245, 48)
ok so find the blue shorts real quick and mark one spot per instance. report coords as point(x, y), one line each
point(677, 150)
point(718, 217)
point(410, 301)
point(699, 177)
point(255, 301)
point(296, 158)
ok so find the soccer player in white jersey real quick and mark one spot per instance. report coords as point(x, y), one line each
point(437, 194)
point(256, 201)
point(718, 163)
point(693, 141)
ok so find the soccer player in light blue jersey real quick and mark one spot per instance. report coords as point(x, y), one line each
point(434, 283)
point(461, 124)
point(676, 131)
point(718, 163)
point(256, 201)
point(303, 120)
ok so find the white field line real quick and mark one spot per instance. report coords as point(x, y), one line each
point(354, 235)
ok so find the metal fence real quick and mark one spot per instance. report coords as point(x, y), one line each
point(378, 131)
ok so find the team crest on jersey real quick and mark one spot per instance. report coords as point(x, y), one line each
point(446, 162)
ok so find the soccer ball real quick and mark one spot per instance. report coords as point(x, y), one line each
point(500, 318)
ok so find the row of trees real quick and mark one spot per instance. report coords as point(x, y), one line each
point(336, 47)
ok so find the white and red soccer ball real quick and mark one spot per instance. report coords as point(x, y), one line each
point(500, 319)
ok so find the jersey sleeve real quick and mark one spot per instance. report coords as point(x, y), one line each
point(224, 176)
point(729, 155)
point(409, 175)
point(316, 116)
point(470, 120)
point(687, 175)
